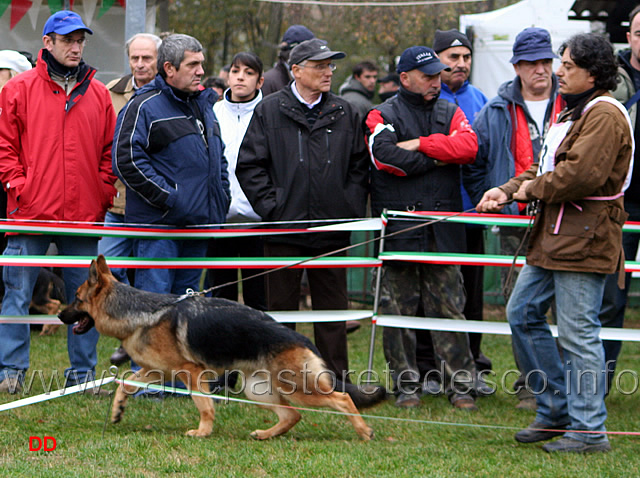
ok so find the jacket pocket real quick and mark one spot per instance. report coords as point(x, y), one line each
point(575, 238)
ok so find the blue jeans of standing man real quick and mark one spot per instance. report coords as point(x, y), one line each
point(19, 283)
point(568, 389)
point(110, 246)
point(169, 281)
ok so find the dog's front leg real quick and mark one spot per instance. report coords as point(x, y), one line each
point(204, 404)
point(123, 391)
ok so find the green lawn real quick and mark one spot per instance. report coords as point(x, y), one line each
point(436, 440)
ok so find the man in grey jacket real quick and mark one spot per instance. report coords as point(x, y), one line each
point(360, 87)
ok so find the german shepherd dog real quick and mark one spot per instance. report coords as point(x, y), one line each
point(164, 333)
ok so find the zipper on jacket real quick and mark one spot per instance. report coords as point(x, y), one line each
point(328, 150)
point(300, 145)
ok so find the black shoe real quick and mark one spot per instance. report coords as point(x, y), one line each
point(569, 445)
point(540, 432)
point(406, 400)
point(120, 356)
point(483, 388)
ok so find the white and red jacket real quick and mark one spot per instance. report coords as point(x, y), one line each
point(55, 149)
point(423, 180)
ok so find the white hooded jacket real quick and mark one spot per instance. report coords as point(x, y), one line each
point(234, 119)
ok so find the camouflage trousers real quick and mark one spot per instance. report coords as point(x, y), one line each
point(439, 290)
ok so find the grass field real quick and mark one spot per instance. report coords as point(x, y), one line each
point(432, 440)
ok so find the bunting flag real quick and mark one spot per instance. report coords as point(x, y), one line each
point(33, 12)
point(106, 5)
point(19, 9)
point(55, 6)
point(89, 8)
point(3, 6)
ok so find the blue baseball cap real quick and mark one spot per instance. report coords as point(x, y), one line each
point(420, 58)
point(532, 44)
point(64, 22)
point(296, 34)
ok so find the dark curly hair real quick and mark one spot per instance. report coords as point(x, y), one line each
point(594, 53)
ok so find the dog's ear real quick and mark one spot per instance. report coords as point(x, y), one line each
point(102, 266)
point(93, 272)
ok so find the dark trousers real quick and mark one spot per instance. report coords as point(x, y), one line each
point(328, 289)
point(473, 277)
point(253, 290)
point(614, 301)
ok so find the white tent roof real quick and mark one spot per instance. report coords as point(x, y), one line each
point(495, 31)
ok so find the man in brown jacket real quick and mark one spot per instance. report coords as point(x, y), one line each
point(576, 240)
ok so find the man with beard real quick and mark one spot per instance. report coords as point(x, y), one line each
point(417, 143)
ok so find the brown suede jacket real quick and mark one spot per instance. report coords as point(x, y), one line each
point(592, 161)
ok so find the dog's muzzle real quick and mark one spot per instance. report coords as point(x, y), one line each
point(84, 322)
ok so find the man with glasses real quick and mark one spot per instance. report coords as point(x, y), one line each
point(56, 130)
point(304, 158)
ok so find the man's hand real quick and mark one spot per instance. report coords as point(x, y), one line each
point(492, 201)
point(521, 195)
point(410, 144)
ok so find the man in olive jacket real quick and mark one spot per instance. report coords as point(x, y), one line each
point(576, 240)
point(304, 158)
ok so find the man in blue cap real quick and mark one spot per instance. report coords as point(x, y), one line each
point(56, 130)
point(280, 75)
point(511, 128)
point(417, 144)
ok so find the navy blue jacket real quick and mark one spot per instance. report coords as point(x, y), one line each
point(173, 166)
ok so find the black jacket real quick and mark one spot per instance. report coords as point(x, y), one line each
point(291, 172)
point(423, 186)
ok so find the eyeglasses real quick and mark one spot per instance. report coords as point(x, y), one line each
point(321, 66)
point(68, 41)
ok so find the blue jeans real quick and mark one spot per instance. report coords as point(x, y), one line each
point(19, 283)
point(110, 246)
point(169, 281)
point(570, 388)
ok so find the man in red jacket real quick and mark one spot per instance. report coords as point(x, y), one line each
point(56, 130)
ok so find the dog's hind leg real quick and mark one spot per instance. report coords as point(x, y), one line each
point(123, 391)
point(338, 401)
point(287, 417)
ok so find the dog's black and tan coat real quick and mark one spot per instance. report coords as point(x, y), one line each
point(200, 334)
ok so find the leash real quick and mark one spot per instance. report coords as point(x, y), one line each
point(192, 293)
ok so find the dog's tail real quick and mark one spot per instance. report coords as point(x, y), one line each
point(363, 396)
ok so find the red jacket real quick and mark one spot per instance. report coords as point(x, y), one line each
point(55, 150)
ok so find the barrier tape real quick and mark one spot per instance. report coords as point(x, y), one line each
point(398, 321)
point(226, 398)
point(253, 229)
point(192, 262)
point(99, 383)
point(87, 386)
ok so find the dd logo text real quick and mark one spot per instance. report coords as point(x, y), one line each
point(45, 443)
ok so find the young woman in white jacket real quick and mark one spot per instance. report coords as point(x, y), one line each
point(234, 113)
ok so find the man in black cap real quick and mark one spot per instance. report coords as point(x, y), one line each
point(280, 75)
point(454, 50)
point(389, 86)
point(417, 143)
point(511, 128)
point(304, 157)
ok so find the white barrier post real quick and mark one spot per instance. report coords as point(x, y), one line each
point(376, 294)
